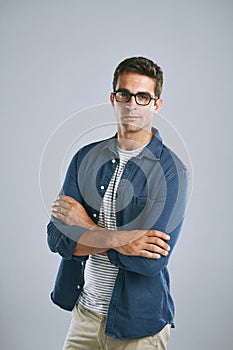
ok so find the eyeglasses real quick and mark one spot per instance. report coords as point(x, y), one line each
point(141, 98)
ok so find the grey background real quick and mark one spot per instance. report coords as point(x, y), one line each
point(57, 57)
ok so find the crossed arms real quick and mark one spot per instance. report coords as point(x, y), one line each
point(143, 243)
point(142, 251)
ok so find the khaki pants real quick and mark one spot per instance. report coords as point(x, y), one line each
point(86, 332)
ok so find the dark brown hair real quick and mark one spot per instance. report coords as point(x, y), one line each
point(143, 66)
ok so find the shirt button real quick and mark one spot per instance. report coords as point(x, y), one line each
point(94, 215)
point(102, 187)
point(113, 161)
point(78, 286)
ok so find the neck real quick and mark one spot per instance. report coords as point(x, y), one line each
point(133, 140)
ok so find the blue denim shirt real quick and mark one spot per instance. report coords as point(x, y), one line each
point(152, 194)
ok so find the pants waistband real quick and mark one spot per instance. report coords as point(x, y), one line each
point(93, 313)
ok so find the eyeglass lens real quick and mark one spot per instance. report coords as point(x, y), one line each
point(141, 98)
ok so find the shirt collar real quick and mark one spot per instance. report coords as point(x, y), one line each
point(153, 150)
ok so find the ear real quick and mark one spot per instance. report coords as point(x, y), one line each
point(112, 99)
point(158, 105)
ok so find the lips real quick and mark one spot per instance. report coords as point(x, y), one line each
point(130, 117)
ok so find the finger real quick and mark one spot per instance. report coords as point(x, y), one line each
point(61, 204)
point(58, 216)
point(67, 199)
point(156, 249)
point(159, 242)
point(159, 234)
point(148, 254)
point(59, 211)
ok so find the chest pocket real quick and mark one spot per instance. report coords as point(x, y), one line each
point(139, 201)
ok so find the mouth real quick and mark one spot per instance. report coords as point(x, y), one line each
point(130, 118)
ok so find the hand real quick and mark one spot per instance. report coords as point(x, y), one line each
point(151, 245)
point(71, 212)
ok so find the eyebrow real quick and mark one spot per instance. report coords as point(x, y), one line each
point(138, 92)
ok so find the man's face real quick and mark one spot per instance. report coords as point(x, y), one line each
point(132, 117)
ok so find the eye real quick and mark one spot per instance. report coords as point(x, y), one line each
point(143, 96)
point(123, 94)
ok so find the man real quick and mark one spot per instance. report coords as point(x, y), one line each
point(122, 202)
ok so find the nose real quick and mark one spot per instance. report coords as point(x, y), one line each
point(131, 106)
point(132, 100)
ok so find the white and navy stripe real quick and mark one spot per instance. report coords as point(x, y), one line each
point(100, 274)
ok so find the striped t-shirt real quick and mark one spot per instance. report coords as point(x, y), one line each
point(100, 274)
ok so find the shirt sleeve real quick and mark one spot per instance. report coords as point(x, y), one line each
point(62, 238)
point(170, 221)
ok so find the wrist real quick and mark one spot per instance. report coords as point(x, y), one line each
point(95, 227)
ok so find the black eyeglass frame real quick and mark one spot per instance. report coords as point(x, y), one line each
point(155, 98)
